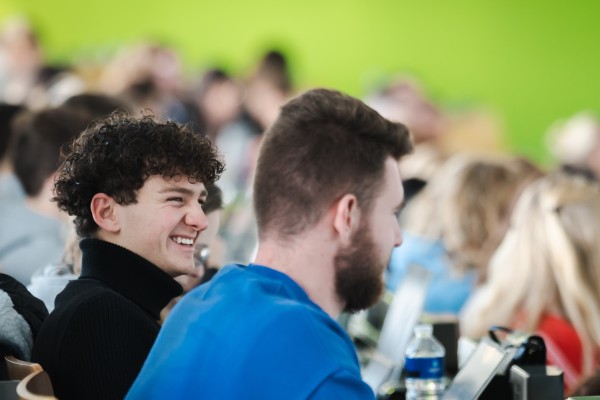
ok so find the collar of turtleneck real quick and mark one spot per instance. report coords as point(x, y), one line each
point(129, 274)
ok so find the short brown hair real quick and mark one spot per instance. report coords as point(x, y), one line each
point(323, 145)
point(118, 153)
point(39, 138)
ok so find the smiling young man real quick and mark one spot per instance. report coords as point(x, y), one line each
point(326, 195)
point(136, 189)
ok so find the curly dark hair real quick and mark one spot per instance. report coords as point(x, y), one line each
point(117, 154)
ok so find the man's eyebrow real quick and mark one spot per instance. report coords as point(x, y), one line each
point(181, 190)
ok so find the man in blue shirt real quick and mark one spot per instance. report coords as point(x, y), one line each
point(327, 193)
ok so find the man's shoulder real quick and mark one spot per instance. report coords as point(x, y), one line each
point(257, 289)
point(306, 324)
point(25, 233)
point(18, 215)
point(84, 289)
point(276, 304)
point(76, 311)
point(258, 299)
point(87, 310)
point(28, 240)
point(90, 299)
point(11, 189)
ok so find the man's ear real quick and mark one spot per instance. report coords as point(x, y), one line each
point(104, 212)
point(347, 217)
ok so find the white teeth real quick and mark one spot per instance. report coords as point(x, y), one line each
point(182, 240)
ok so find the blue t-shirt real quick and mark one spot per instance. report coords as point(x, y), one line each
point(250, 333)
point(448, 290)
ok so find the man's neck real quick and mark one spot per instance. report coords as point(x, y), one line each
point(43, 205)
point(5, 167)
point(42, 202)
point(308, 260)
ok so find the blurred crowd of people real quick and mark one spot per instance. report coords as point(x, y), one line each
point(508, 242)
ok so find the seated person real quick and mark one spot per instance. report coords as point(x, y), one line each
point(455, 224)
point(50, 280)
point(136, 188)
point(544, 276)
point(21, 315)
point(33, 232)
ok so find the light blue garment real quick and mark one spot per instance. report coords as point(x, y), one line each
point(250, 333)
point(48, 282)
point(448, 290)
point(28, 240)
point(11, 189)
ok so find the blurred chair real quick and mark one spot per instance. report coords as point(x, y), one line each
point(34, 382)
point(19, 369)
point(36, 386)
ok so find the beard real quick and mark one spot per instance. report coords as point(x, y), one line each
point(359, 272)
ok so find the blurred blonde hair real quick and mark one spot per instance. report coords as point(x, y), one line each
point(468, 204)
point(422, 215)
point(571, 141)
point(549, 261)
point(71, 257)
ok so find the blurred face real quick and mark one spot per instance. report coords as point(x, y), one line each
point(222, 102)
point(204, 241)
point(163, 226)
point(360, 267)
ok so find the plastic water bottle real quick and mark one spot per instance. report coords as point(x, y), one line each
point(424, 365)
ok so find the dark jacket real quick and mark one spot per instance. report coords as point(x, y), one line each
point(21, 315)
point(95, 341)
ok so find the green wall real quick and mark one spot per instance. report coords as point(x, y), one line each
point(532, 62)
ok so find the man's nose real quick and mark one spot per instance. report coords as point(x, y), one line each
point(196, 218)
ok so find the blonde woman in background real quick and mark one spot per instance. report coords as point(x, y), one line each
point(576, 142)
point(544, 276)
point(477, 209)
point(455, 223)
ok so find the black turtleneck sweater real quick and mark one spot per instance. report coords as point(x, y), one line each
point(95, 341)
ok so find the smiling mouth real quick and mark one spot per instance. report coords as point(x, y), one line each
point(183, 240)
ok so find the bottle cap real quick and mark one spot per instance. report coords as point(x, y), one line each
point(423, 330)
